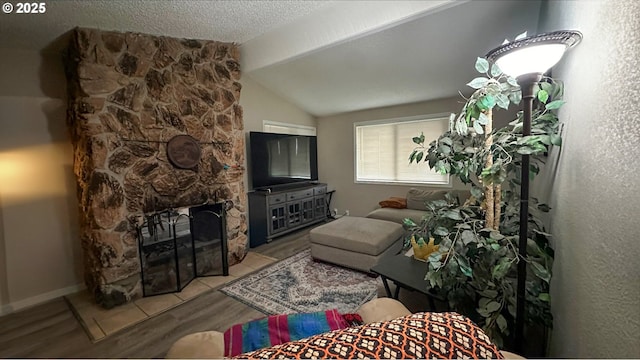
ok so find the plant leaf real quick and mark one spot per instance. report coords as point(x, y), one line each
point(543, 96)
point(416, 140)
point(408, 222)
point(500, 270)
point(441, 231)
point(483, 119)
point(482, 65)
point(544, 207)
point(463, 263)
point(545, 139)
point(525, 150)
point(461, 127)
point(446, 140)
point(412, 156)
point(540, 271)
point(502, 101)
point(478, 128)
point(485, 300)
point(515, 97)
point(546, 87)
point(502, 323)
point(555, 139)
point(444, 149)
point(438, 203)
point(419, 156)
point(544, 297)
point(442, 167)
point(478, 82)
point(467, 237)
point(512, 81)
point(495, 70)
point(556, 104)
point(490, 293)
point(453, 214)
point(492, 306)
point(483, 312)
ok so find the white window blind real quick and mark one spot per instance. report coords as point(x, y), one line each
point(383, 148)
point(284, 128)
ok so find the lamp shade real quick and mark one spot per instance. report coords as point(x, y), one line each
point(535, 54)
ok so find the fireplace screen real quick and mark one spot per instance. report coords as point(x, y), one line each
point(209, 239)
point(175, 247)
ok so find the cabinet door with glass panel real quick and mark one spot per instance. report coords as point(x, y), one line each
point(277, 218)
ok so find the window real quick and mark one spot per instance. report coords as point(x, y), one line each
point(284, 128)
point(383, 147)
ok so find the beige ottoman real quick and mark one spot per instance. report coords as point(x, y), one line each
point(355, 242)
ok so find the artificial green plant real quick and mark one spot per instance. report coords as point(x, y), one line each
point(475, 265)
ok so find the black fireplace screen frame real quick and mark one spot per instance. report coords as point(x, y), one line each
point(217, 210)
point(170, 257)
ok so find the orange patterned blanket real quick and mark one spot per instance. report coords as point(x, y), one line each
point(420, 335)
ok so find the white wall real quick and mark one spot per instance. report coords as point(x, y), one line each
point(40, 255)
point(336, 153)
point(260, 104)
point(594, 189)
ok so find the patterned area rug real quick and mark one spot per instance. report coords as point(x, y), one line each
point(299, 284)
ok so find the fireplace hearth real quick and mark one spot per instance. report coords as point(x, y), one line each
point(176, 246)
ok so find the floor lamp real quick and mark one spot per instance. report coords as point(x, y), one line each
point(526, 60)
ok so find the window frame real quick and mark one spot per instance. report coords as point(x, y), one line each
point(311, 129)
point(417, 118)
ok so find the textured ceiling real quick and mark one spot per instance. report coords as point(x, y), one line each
point(326, 57)
point(229, 21)
point(428, 57)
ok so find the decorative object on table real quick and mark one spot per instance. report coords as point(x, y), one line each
point(183, 151)
point(300, 284)
point(422, 249)
point(482, 240)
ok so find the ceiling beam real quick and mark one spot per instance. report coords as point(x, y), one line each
point(331, 25)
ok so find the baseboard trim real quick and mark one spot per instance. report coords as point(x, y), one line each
point(39, 299)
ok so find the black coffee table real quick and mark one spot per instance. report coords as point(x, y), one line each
point(405, 272)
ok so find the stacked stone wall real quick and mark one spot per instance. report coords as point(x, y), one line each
point(129, 94)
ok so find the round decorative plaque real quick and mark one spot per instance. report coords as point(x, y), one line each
point(183, 151)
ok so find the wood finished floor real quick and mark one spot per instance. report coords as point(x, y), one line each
point(50, 330)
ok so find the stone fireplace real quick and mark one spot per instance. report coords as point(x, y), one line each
point(129, 95)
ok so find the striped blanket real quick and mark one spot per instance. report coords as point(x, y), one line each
point(279, 329)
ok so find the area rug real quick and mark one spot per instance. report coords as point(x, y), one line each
point(299, 284)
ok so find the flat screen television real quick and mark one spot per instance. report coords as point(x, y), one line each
point(278, 159)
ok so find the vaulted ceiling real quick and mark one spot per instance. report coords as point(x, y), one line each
point(326, 57)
